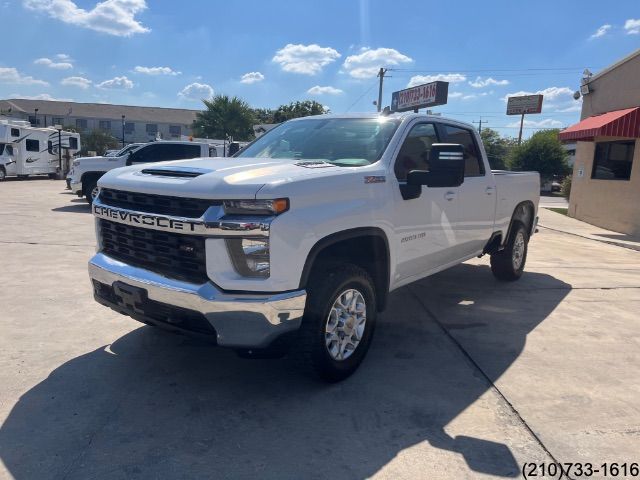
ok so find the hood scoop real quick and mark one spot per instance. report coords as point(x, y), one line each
point(175, 172)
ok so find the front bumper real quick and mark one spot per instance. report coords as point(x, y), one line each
point(75, 187)
point(242, 320)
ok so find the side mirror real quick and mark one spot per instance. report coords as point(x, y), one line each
point(446, 169)
point(129, 159)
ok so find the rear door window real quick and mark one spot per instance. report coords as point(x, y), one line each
point(473, 165)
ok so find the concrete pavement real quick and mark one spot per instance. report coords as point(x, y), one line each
point(467, 377)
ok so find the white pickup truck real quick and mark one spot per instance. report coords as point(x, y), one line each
point(295, 243)
point(83, 177)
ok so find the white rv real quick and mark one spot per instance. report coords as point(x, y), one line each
point(26, 150)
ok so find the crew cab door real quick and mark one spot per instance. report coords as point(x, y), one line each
point(476, 196)
point(425, 227)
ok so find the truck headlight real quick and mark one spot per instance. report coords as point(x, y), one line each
point(256, 207)
point(250, 257)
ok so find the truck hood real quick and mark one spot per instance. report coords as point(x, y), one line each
point(215, 177)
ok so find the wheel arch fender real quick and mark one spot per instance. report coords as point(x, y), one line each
point(367, 247)
point(523, 213)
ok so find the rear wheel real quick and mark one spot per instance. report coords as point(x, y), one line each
point(508, 264)
point(338, 324)
point(3, 174)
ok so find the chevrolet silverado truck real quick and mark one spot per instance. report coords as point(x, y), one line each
point(83, 176)
point(294, 244)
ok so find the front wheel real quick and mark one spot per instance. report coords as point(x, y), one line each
point(91, 191)
point(338, 324)
point(508, 264)
point(3, 174)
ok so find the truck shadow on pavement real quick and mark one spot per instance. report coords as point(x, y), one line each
point(157, 405)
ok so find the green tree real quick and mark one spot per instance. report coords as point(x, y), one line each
point(297, 110)
point(96, 141)
point(263, 115)
point(497, 148)
point(224, 115)
point(542, 153)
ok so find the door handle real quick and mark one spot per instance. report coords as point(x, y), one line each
point(489, 190)
point(450, 196)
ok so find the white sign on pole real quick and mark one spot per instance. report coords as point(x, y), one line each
point(524, 104)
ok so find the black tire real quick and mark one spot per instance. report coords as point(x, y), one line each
point(3, 174)
point(504, 264)
point(325, 286)
point(88, 188)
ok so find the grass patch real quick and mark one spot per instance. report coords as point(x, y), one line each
point(563, 211)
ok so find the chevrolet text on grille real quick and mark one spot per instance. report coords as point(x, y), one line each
point(216, 227)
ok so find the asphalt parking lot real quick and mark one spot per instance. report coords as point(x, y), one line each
point(467, 377)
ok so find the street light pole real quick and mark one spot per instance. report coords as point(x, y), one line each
point(122, 131)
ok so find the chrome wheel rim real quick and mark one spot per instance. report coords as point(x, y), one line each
point(345, 324)
point(518, 251)
point(95, 192)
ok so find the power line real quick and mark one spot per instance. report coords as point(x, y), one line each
point(361, 96)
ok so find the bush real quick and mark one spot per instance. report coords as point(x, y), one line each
point(566, 187)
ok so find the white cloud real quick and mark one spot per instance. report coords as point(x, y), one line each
point(41, 96)
point(196, 92)
point(318, 90)
point(63, 57)
point(114, 17)
point(305, 59)
point(575, 107)
point(455, 94)
point(79, 82)
point(367, 63)
point(546, 123)
point(469, 97)
point(12, 75)
point(550, 94)
point(116, 83)
point(47, 62)
point(480, 82)
point(632, 26)
point(156, 71)
point(442, 77)
point(601, 31)
point(252, 77)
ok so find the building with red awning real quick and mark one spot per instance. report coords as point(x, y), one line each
point(605, 187)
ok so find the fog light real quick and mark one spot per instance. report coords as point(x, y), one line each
point(250, 257)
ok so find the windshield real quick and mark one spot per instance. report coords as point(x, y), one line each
point(343, 141)
point(126, 149)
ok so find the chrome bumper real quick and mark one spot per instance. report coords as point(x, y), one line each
point(240, 320)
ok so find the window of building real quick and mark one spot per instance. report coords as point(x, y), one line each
point(32, 145)
point(58, 120)
point(175, 130)
point(34, 121)
point(15, 132)
point(613, 160)
point(81, 123)
point(152, 128)
point(104, 125)
point(129, 127)
point(473, 166)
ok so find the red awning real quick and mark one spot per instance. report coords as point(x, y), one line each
point(619, 123)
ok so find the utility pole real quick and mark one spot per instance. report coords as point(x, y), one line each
point(480, 124)
point(520, 134)
point(381, 73)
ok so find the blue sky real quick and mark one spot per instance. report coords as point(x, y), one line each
point(171, 54)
